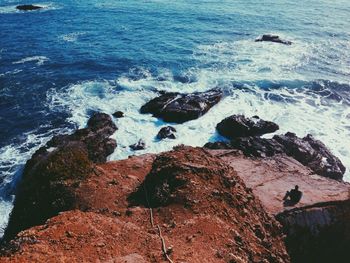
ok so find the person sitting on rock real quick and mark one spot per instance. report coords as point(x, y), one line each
point(293, 196)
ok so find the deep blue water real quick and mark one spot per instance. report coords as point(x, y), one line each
point(59, 64)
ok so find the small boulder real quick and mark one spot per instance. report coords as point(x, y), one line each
point(28, 7)
point(167, 132)
point(118, 114)
point(272, 38)
point(140, 145)
point(239, 126)
point(179, 108)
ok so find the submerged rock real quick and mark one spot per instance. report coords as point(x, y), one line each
point(273, 38)
point(167, 132)
point(140, 145)
point(179, 108)
point(28, 7)
point(239, 126)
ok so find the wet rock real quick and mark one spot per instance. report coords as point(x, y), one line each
point(118, 114)
point(240, 126)
point(28, 7)
point(257, 147)
point(179, 108)
point(273, 38)
point(312, 153)
point(167, 132)
point(95, 136)
point(140, 145)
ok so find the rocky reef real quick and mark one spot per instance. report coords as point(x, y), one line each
point(179, 108)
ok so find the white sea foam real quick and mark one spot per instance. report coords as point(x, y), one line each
point(40, 60)
point(71, 37)
point(294, 111)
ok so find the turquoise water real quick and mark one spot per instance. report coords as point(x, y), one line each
point(61, 63)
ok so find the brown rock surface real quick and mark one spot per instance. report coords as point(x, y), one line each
point(210, 217)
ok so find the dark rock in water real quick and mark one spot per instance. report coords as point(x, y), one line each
point(118, 114)
point(179, 108)
point(273, 38)
point(312, 153)
point(167, 132)
point(140, 145)
point(95, 137)
point(28, 7)
point(257, 147)
point(239, 126)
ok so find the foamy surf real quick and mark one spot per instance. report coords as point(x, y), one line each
point(295, 109)
point(39, 60)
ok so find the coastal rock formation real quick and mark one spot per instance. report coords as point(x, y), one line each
point(196, 198)
point(240, 126)
point(28, 7)
point(140, 145)
point(318, 233)
point(95, 137)
point(244, 134)
point(167, 132)
point(50, 177)
point(312, 153)
point(273, 38)
point(179, 108)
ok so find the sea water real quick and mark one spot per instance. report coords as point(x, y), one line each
point(61, 63)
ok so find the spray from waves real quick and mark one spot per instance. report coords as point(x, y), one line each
point(40, 60)
point(303, 107)
point(12, 160)
point(71, 37)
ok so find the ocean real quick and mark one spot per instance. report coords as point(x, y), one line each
point(61, 63)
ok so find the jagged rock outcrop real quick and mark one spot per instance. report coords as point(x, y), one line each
point(239, 126)
point(28, 7)
point(272, 38)
point(95, 137)
point(244, 134)
point(199, 199)
point(166, 132)
point(312, 153)
point(179, 108)
point(50, 177)
point(318, 233)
